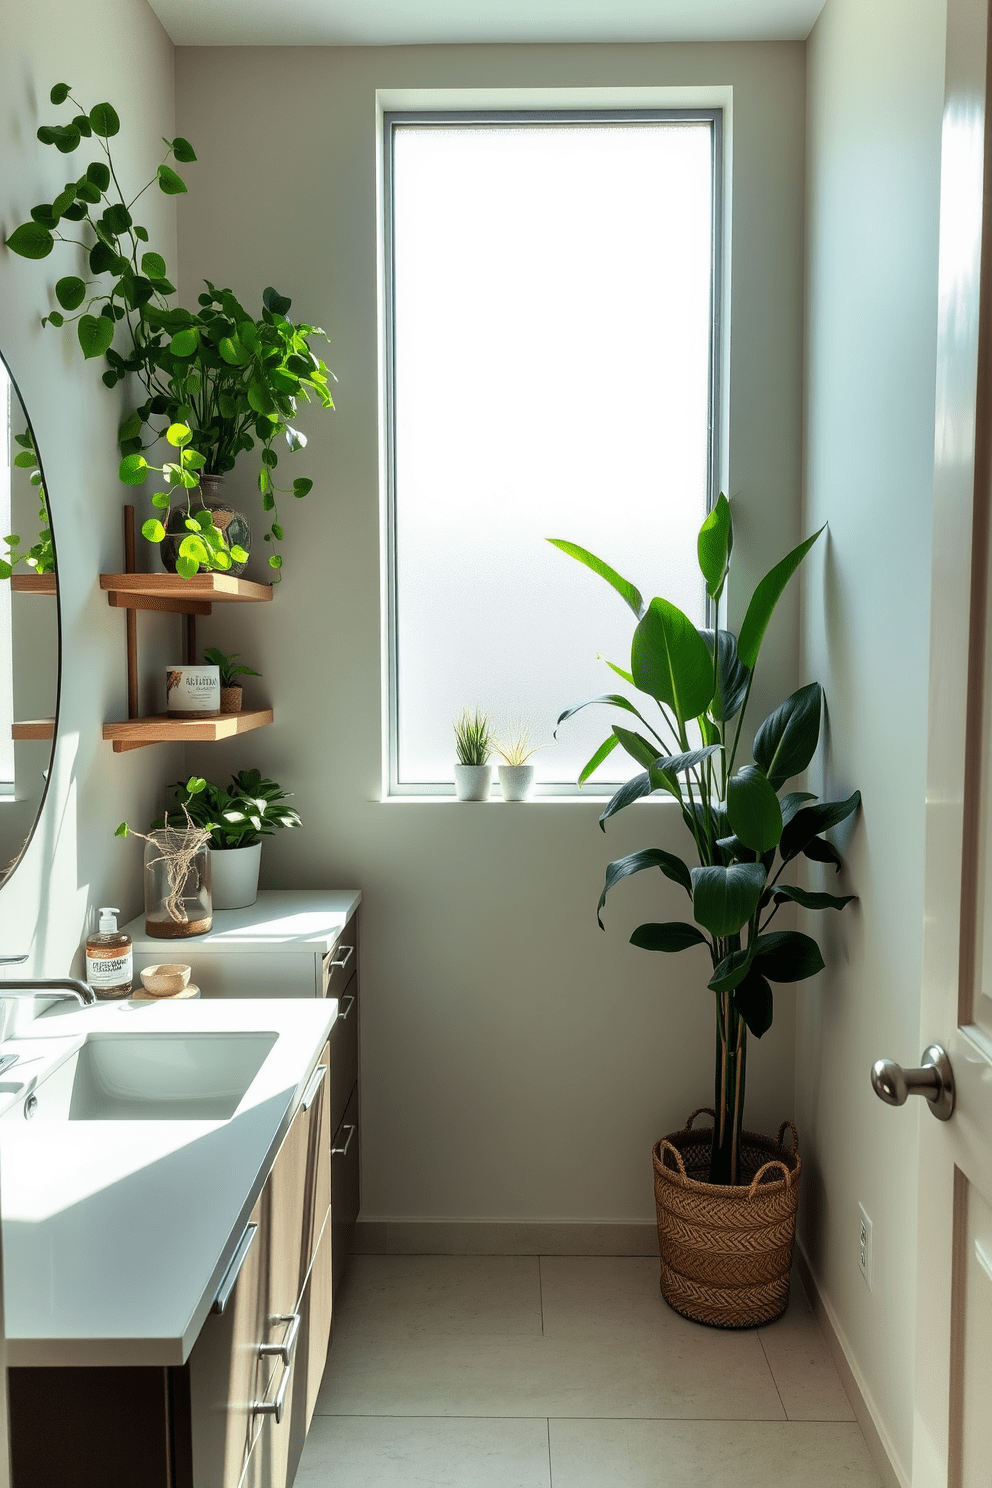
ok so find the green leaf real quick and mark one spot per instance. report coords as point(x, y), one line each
point(67, 138)
point(161, 500)
point(753, 810)
point(183, 150)
point(755, 1002)
point(626, 590)
point(810, 900)
point(186, 567)
point(602, 753)
point(104, 260)
point(95, 333)
point(104, 120)
point(822, 851)
point(60, 92)
point(639, 749)
point(732, 676)
point(239, 554)
point(670, 660)
point(232, 351)
point(632, 790)
point(764, 599)
point(787, 956)
point(98, 175)
point(169, 182)
point(194, 547)
point(714, 547)
point(275, 561)
point(178, 435)
point(70, 292)
point(83, 125)
point(673, 935)
point(31, 240)
point(45, 214)
point(724, 899)
point(649, 857)
point(64, 200)
point(731, 971)
point(184, 343)
point(131, 426)
point(791, 803)
point(274, 301)
point(133, 470)
point(612, 699)
point(786, 741)
point(810, 821)
point(122, 830)
point(153, 264)
point(302, 487)
point(153, 530)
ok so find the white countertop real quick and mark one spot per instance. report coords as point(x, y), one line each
point(117, 1234)
point(279, 920)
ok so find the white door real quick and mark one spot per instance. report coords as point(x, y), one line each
point(952, 1442)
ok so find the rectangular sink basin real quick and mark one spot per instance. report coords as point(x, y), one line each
point(151, 1077)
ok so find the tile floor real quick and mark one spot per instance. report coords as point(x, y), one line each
point(568, 1372)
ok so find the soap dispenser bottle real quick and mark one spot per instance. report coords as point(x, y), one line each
point(110, 959)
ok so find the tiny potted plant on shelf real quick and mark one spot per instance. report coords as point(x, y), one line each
point(473, 747)
point(516, 776)
point(726, 1198)
point(217, 381)
point(236, 818)
point(230, 689)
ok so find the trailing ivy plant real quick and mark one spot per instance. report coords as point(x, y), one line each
point(232, 379)
point(40, 557)
point(696, 684)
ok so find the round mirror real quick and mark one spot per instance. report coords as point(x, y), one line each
point(29, 630)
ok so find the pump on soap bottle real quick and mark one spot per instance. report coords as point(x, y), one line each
point(110, 959)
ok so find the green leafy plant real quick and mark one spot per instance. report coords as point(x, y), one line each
point(516, 748)
point(473, 738)
point(239, 815)
point(745, 833)
point(232, 379)
point(228, 671)
point(40, 557)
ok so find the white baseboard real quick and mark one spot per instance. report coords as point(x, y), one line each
point(880, 1444)
point(503, 1237)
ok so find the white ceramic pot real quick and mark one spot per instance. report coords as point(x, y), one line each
point(472, 782)
point(516, 782)
point(235, 876)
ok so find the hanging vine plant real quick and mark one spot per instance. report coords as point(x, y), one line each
point(217, 382)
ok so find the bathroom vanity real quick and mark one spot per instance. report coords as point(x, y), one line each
point(169, 1236)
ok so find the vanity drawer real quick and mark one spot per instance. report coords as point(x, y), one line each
point(344, 1052)
point(345, 1180)
point(300, 1184)
point(341, 964)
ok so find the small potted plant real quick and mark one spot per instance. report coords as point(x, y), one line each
point(231, 690)
point(237, 818)
point(516, 776)
point(473, 746)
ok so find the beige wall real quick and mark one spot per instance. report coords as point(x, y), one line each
point(116, 50)
point(517, 1063)
point(875, 83)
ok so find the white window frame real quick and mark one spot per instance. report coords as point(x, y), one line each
point(391, 118)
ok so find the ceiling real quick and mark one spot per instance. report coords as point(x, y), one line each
point(440, 22)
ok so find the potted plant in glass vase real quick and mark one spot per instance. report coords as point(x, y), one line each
point(217, 381)
point(236, 818)
point(726, 1198)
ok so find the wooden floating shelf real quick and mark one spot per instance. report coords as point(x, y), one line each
point(34, 728)
point(136, 733)
point(33, 583)
point(138, 591)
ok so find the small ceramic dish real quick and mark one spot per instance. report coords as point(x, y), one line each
point(166, 979)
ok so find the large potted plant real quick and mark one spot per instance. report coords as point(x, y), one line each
point(236, 817)
point(217, 381)
point(726, 1198)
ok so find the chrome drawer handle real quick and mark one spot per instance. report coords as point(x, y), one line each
point(233, 1271)
point(274, 1407)
point(342, 1150)
point(313, 1087)
point(282, 1350)
point(349, 951)
point(350, 1000)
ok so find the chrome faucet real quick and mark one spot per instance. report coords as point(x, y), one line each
point(55, 987)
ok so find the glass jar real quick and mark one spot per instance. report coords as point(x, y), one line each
point(178, 900)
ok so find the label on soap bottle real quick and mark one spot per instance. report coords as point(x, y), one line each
point(115, 970)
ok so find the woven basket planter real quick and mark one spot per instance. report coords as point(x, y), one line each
point(726, 1249)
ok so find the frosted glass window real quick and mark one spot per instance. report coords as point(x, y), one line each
point(552, 333)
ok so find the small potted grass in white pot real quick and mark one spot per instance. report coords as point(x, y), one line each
point(473, 747)
point(516, 776)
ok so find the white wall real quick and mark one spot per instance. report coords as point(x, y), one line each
point(875, 91)
point(517, 1063)
point(116, 50)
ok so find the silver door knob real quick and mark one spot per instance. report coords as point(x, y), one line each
point(934, 1079)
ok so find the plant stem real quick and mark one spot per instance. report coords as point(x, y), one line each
point(728, 1101)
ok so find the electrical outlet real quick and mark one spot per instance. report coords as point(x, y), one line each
point(864, 1246)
